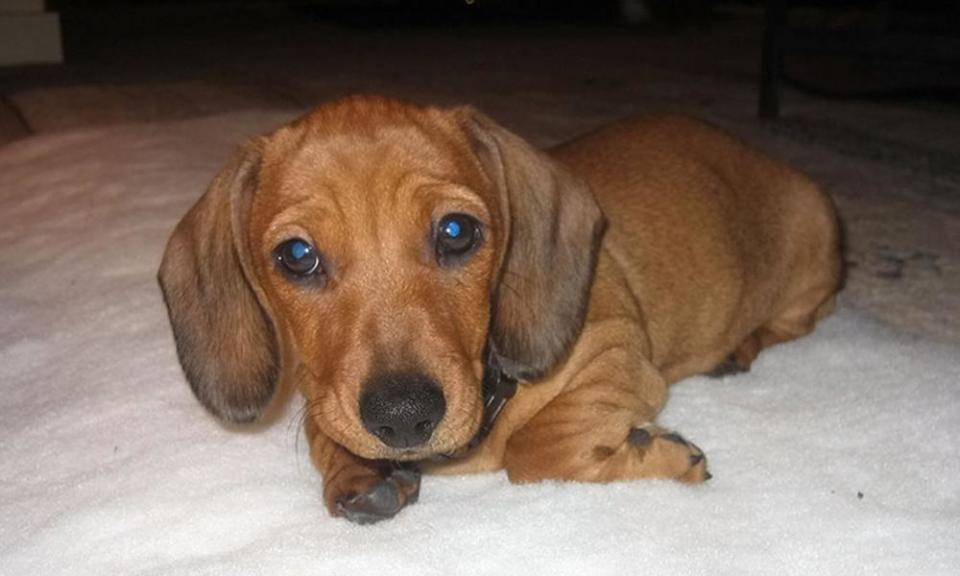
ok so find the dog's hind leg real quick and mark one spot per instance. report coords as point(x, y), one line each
point(797, 319)
point(600, 428)
point(815, 274)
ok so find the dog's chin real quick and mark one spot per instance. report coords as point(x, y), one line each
point(443, 451)
point(409, 455)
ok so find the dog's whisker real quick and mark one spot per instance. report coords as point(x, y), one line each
point(297, 417)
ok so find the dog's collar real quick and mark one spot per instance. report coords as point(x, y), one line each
point(498, 387)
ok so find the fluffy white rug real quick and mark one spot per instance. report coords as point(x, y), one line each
point(837, 454)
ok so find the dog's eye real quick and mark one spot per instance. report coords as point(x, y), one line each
point(457, 236)
point(298, 258)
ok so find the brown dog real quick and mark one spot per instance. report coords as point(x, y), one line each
point(403, 266)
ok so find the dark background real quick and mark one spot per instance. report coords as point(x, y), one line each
point(892, 49)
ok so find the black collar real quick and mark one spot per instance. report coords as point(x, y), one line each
point(498, 387)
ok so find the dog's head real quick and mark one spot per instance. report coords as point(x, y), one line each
point(371, 251)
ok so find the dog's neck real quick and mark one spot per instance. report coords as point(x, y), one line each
point(498, 387)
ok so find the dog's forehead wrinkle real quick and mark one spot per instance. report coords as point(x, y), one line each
point(299, 218)
point(361, 173)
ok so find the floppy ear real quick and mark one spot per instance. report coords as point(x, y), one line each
point(554, 228)
point(225, 341)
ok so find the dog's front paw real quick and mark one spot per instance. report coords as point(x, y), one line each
point(381, 499)
point(668, 455)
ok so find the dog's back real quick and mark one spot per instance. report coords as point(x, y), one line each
point(743, 244)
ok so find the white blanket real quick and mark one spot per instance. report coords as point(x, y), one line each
point(837, 454)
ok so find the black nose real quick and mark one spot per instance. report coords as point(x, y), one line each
point(402, 409)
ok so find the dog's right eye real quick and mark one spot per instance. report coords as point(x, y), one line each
point(298, 258)
point(457, 236)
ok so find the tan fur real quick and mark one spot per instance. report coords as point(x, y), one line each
point(710, 249)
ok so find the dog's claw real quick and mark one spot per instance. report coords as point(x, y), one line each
point(383, 499)
point(675, 438)
point(693, 467)
point(729, 367)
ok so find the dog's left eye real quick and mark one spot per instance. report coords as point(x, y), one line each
point(457, 236)
point(298, 258)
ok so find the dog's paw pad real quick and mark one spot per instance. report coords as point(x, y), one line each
point(383, 499)
point(639, 437)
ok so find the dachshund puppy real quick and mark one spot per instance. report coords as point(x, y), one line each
point(410, 269)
